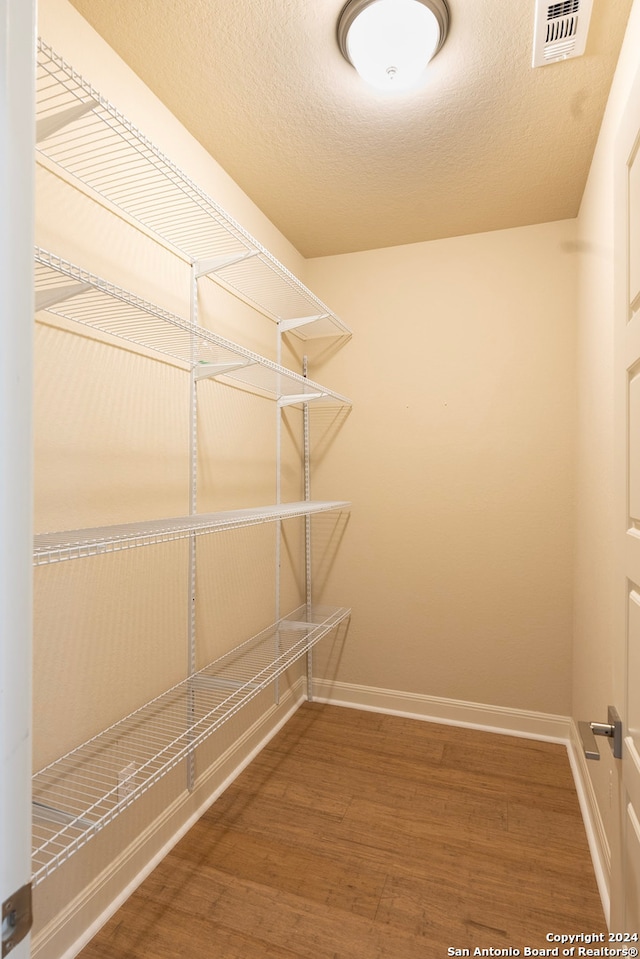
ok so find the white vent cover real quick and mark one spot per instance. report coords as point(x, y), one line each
point(561, 30)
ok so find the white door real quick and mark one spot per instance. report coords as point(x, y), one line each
point(625, 898)
point(17, 57)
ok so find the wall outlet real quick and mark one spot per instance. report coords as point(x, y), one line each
point(126, 783)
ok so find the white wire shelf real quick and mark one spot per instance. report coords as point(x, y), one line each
point(76, 796)
point(66, 290)
point(82, 133)
point(77, 544)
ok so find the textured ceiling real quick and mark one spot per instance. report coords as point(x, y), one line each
point(486, 143)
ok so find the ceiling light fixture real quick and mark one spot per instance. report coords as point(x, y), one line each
point(390, 42)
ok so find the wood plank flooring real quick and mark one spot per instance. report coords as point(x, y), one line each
point(355, 835)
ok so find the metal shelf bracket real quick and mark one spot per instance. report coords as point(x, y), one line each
point(45, 299)
point(285, 325)
point(204, 267)
point(299, 398)
point(47, 126)
point(210, 370)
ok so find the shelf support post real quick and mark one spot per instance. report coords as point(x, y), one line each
point(193, 505)
point(276, 685)
point(307, 526)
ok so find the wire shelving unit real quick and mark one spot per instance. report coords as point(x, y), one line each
point(95, 148)
point(76, 796)
point(82, 543)
point(66, 290)
point(84, 135)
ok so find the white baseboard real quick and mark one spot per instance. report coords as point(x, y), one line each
point(452, 712)
point(593, 823)
point(71, 930)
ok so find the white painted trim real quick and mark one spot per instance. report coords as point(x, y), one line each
point(452, 712)
point(17, 94)
point(53, 940)
point(593, 822)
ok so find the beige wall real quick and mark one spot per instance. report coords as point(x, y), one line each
point(458, 457)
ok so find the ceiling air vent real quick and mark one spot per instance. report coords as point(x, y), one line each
point(561, 30)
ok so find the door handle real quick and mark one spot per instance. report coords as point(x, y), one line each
point(611, 729)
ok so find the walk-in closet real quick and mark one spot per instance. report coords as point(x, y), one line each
point(320, 429)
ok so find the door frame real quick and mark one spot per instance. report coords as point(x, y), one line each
point(17, 81)
point(628, 134)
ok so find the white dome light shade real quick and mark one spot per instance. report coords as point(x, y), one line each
point(390, 42)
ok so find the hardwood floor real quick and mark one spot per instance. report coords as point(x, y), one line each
point(355, 835)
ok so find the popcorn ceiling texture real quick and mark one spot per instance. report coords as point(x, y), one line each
point(487, 143)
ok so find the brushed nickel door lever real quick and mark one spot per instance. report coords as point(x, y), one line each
point(612, 730)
